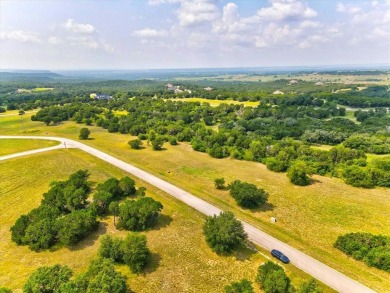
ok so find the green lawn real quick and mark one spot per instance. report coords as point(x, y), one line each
point(309, 218)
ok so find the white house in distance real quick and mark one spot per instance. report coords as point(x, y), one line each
point(100, 97)
point(278, 92)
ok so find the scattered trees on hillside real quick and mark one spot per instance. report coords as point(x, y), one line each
point(247, 195)
point(223, 232)
point(374, 250)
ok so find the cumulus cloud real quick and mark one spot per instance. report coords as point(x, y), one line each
point(286, 10)
point(149, 33)
point(158, 2)
point(195, 12)
point(83, 28)
point(20, 36)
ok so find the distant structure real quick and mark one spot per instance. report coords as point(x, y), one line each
point(293, 81)
point(320, 83)
point(101, 97)
point(209, 89)
point(278, 92)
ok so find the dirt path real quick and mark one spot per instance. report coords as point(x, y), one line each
point(318, 270)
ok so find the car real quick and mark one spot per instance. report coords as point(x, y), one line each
point(280, 256)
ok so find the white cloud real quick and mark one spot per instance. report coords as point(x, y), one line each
point(149, 33)
point(286, 10)
point(86, 28)
point(54, 40)
point(195, 12)
point(89, 42)
point(158, 2)
point(349, 8)
point(20, 36)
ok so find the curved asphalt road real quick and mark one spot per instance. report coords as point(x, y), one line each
point(320, 271)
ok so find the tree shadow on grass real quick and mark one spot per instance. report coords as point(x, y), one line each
point(91, 238)
point(267, 207)
point(154, 263)
point(245, 251)
point(163, 221)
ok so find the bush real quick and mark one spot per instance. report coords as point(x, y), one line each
point(273, 279)
point(47, 279)
point(224, 232)
point(138, 215)
point(135, 252)
point(219, 183)
point(135, 144)
point(310, 287)
point(247, 195)
point(111, 248)
point(5, 290)
point(84, 133)
point(244, 286)
point(374, 250)
point(297, 173)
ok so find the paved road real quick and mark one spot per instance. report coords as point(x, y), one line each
point(320, 271)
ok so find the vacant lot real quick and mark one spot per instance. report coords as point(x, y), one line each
point(10, 146)
point(181, 259)
point(309, 218)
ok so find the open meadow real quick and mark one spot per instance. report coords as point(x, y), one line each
point(309, 218)
point(11, 146)
point(181, 260)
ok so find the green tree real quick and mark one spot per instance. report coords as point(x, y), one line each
point(297, 173)
point(135, 252)
point(40, 234)
point(84, 133)
point(3, 289)
point(47, 279)
point(223, 232)
point(138, 215)
point(273, 279)
point(157, 143)
point(114, 210)
point(244, 286)
point(127, 185)
point(101, 277)
point(310, 286)
point(111, 248)
point(219, 183)
point(247, 195)
point(135, 144)
point(75, 226)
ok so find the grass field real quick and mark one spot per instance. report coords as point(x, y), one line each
point(181, 261)
point(309, 218)
point(10, 146)
point(215, 103)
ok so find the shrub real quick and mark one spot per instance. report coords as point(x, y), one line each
point(244, 286)
point(247, 195)
point(223, 232)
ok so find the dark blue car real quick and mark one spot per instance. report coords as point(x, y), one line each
point(280, 256)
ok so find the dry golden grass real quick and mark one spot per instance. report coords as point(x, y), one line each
point(215, 103)
point(11, 146)
point(309, 218)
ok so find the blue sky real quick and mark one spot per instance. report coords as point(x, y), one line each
point(142, 34)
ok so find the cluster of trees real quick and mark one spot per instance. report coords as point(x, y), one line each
point(63, 216)
point(273, 279)
point(138, 215)
point(132, 251)
point(223, 232)
point(374, 250)
point(247, 195)
point(108, 193)
point(101, 276)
